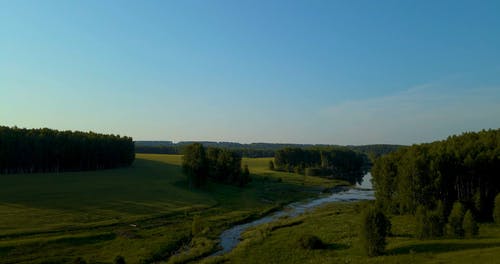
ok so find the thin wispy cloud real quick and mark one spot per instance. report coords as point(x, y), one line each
point(423, 113)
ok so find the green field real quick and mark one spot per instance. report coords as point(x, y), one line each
point(143, 212)
point(337, 225)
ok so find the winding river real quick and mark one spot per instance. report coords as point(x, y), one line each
point(230, 238)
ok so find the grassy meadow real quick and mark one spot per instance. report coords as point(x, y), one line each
point(337, 225)
point(143, 212)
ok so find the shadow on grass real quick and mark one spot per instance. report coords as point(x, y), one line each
point(78, 241)
point(64, 242)
point(335, 246)
point(401, 235)
point(434, 247)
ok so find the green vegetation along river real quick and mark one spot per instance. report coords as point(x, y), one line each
point(230, 238)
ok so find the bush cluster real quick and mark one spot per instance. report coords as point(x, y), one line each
point(220, 165)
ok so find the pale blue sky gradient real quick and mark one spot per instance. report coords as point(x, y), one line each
point(336, 72)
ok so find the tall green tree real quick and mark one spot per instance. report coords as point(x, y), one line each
point(455, 220)
point(245, 176)
point(375, 226)
point(195, 165)
point(271, 165)
point(496, 210)
point(469, 225)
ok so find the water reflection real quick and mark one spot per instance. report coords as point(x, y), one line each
point(366, 182)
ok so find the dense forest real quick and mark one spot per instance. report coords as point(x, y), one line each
point(461, 168)
point(337, 162)
point(47, 150)
point(220, 165)
point(253, 150)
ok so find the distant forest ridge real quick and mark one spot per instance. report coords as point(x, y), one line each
point(255, 149)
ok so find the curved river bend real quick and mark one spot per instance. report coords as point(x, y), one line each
point(230, 238)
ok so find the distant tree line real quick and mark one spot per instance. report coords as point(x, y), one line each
point(461, 169)
point(246, 152)
point(47, 150)
point(158, 149)
point(253, 150)
point(375, 150)
point(337, 162)
point(220, 165)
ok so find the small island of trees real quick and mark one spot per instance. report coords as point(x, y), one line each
point(335, 162)
point(219, 165)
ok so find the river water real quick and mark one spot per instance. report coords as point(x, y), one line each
point(230, 238)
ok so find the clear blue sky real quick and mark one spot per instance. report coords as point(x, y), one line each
point(339, 72)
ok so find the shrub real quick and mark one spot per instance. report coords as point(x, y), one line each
point(436, 224)
point(271, 165)
point(469, 225)
point(245, 176)
point(430, 224)
point(79, 260)
point(422, 226)
point(374, 228)
point(311, 242)
point(455, 220)
point(496, 210)
point(119, 260)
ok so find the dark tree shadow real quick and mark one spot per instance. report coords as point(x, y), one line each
point(401, 235)
point(434, 247)
point(336, 246)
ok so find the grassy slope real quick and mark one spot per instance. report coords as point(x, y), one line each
point(141, 212)
point(337, 226)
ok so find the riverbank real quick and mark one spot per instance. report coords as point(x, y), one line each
point(337, 226)
point(230, 238)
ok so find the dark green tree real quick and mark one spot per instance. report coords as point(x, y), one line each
point(455, 220)
point(245, 176)
point(422, 223)
point(496, 210)
point(271, 165)
point(195, 165)
point(429, 224)
point(375, 226)
point(469, 225)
